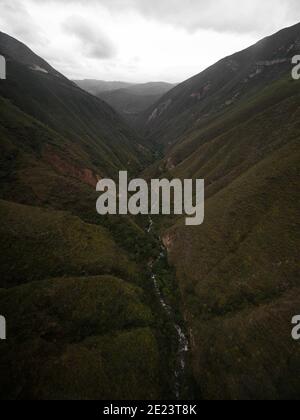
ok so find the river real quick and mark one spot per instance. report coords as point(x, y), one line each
point(183, 343)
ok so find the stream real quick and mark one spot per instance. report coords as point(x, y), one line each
point(183, 343)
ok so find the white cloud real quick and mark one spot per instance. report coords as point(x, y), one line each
point(219, 15)
point(141, 40)
point(95, 44)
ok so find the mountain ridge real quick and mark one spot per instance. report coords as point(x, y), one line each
point(237, 273)
point(219, 87)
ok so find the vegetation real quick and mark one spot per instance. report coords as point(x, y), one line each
point(239, 271)
point(83, 318)
point(79, 338)
point(74, 286)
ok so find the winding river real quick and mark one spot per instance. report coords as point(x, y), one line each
point(183, 343)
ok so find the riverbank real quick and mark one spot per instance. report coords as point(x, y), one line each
point(166, 290)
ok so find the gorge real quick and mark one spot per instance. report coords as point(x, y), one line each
point(89, 298)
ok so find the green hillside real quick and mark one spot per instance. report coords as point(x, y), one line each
point(83, 314)
point(93, 128)
point(74, 287)
point(239, 272)
point(71, 336)
point(239, 277)
point(38, 243)
point(214, 92)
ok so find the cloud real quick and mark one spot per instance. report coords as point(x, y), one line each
point(233, 16)
point(220, 15)
point(141, 40)
point(15, 17)
point(95, 44)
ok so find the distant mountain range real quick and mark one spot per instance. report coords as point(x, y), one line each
point(130, 100)
point(98, 86)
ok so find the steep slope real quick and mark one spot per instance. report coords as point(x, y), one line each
point(131, 101)
point(38, 243)
point(57, 141)
point(94, 129)
point(79, 338)
point(75, 294)
point(239, 277)
point(215, 91)
point(239, 271)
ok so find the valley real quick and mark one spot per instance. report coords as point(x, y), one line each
point(181, 379)
point(130, 100)
point(167, 310)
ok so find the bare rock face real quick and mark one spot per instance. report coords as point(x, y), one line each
point(160, 110)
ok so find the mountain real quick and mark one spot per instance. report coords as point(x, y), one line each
point(219, 89)
point(96, 87)
point(73, 286)
point(130, 100)
point(102, 139)
point(76, 288)
point(237, 126)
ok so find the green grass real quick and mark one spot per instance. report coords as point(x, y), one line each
point(239, 277)
point(79, 338)
point(39, 243)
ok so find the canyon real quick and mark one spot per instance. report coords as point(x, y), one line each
point(146, 302)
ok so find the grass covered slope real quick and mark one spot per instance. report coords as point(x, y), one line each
point(239, 277)
point(79, 326)
point(95, 130)
point(39, 243)
point(221, 87)
point(38, 167)
point(78, 338)
point(239, 271)
point(74, 293)
point(227, 147)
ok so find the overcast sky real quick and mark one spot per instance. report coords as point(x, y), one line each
point(141, 40)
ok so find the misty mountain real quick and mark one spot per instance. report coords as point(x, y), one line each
point(96, 87)
point(130, 102)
